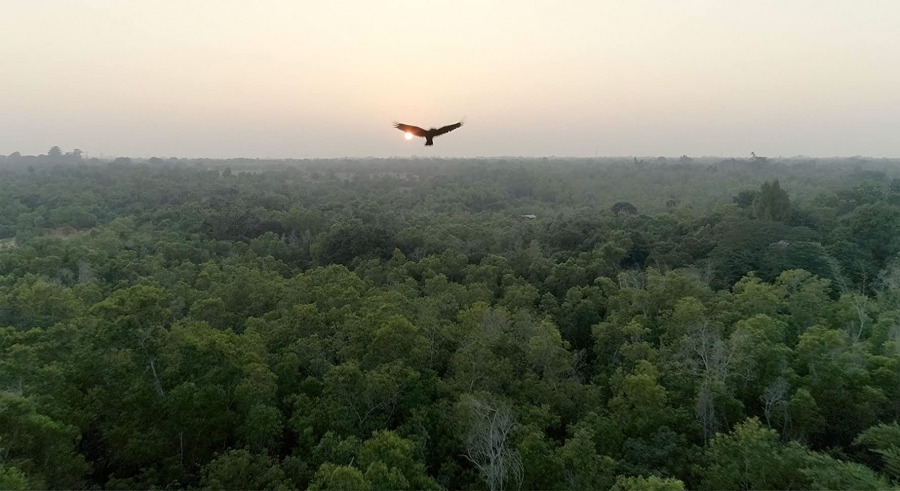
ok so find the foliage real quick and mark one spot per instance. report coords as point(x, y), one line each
point(395, 324)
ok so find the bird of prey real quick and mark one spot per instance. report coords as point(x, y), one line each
point(411, 131)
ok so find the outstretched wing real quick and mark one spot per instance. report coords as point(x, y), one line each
point(446, 129)
point(408, 128)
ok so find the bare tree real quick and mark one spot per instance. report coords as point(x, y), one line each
point(144, 339)
point(705, 410)
point(705, 350)
point(860, 304)
point(858, 300)
point(632, 278)
point(889, 286)
point(710, 358)
point(704, 271)
point(774, 397)
point(488, 444)
point(894, 334)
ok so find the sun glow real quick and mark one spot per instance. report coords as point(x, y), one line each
point(408, 135)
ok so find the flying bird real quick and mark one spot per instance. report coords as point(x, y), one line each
point(429, 135)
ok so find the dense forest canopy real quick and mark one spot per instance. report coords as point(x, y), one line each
point(441, 323)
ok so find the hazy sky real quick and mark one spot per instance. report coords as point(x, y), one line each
point(298, 78)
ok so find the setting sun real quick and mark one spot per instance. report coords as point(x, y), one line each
point(408, 135)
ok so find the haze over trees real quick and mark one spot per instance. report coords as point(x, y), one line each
point(402, 324)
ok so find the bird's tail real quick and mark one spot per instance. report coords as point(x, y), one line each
point(429, 142)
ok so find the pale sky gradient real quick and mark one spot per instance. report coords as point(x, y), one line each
point(297, 78)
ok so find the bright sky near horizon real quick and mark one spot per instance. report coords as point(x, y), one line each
point(295, 78)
